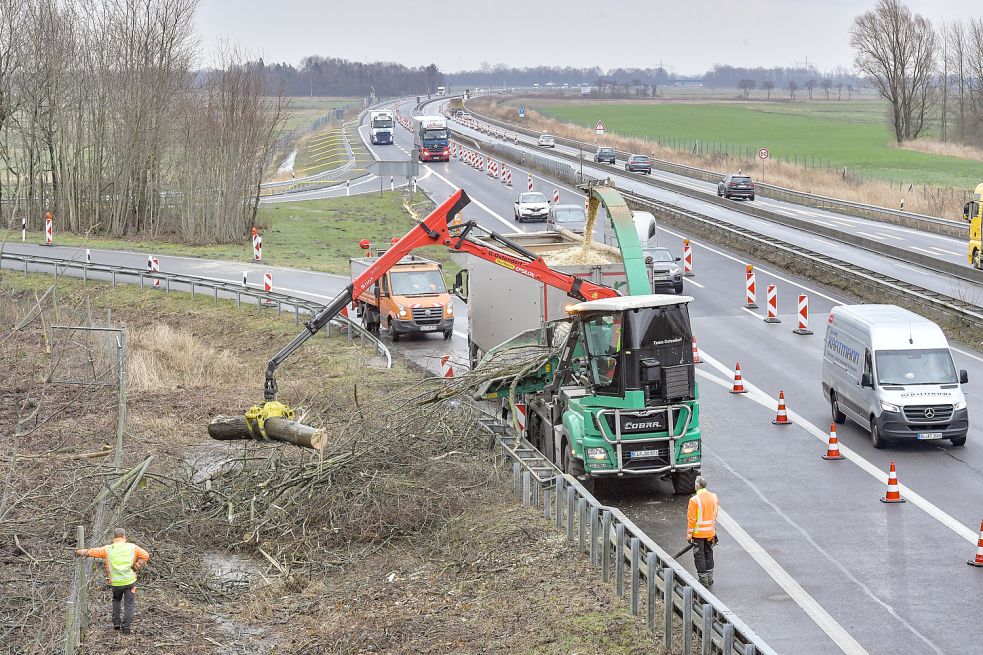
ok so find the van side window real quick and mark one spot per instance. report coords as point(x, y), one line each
point(384, 281)
point(868, 364)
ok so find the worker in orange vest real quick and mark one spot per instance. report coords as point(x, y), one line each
point(123, 560)
point(701, 529)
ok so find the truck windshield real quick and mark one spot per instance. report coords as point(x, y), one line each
point(417, 283)
point(382, 122)
point(435, 134)
point(904, 367)
point(603, 334)
point(664, 332)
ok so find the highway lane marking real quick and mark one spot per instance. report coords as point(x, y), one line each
point(864, 464)
point(891, 236)
point(923, 250)
point(490, 212)
point(783, 579)
point(757, 316)
point(910, 268)
point(872, 236)
point(946, 252)
point(832, 560)
point(694, 282)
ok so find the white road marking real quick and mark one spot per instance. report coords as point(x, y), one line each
point(760, 397)
point(872, 236)
point(946, 252)
point(754, 314)
point(694, 283)
point(475, 201)
point(458, 333)
point(809, 605)
point(891, 236)
point(910, 268)
point(923, 250)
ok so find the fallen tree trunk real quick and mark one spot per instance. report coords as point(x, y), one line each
point(233, 428)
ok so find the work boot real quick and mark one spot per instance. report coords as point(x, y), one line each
point(710, 578)
point(116, 626)
point(704, 579)
point(125, 630)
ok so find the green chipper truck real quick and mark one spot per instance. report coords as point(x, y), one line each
point(617, 396)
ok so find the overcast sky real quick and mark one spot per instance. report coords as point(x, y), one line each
point(686, 36)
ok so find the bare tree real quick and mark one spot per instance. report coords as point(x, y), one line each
point(957, 63)
point(896, 50)
point(826, 85)
point(746, 86)
point(792, 88)
point(768, 85)
point(810, 85)
point(849, 92)
point(839, 90)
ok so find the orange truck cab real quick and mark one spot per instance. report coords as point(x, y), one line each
point(410, 298)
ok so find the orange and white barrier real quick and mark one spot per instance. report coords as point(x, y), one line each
point(508, 178)
point(49, 235)
point(782, 417)
point(446, 367)
point(520, 416)
point(772, 316)
point(556, 196)
point(153, 265)
point(893, 494)
point(738, 380)
point(529, 182)
point(696, 352)
point(751, 302)
point(803, 316)
point(258, 248)
point(267, 282)
point(979, 550)
point(504, 168)
point(833, 448)
point(687, 259)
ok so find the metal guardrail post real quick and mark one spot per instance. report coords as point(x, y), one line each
point(669, 578)
point(687, 619)
point(595, 515)
point(114, 279)
point(651, 586)
point(606, 545)
point(619, 560)
point(571, 503)
point(707, 635)
point(582, 524)
point(526, 488)
point(516, 478)
point(560, 489)
point(728, 631)
point(547, 503)
point(635, 576)
point(537, 488)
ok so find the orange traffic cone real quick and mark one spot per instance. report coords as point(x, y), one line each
point(833, 449)
point(696, 353)
point(782, 417)
point(893, 495)
point(738, 382)
point(979, 550)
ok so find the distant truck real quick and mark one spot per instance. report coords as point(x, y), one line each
point(441, 91)
point(382, 127)
point(431, 138)
point(455, 105)
point(973, 212)
point(410, 299)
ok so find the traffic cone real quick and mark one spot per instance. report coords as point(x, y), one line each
point(782, 417)
point(979, 550)
point(696, 353)
point(893, 495)
point(833, 449)
point(738, 381)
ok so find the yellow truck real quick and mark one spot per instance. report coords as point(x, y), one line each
point(973, 212)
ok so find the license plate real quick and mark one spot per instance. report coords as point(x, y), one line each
point(929, 435)
point(641, 454)
point(428, 328)
point(661, 277)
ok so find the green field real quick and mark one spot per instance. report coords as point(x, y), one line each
point(303, 110)
point(318, 235)
point(843, 133)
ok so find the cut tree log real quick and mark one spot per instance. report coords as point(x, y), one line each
point(232, 428)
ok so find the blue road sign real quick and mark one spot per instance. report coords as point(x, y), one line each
point(522, 111)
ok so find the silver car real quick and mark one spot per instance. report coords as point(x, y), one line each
point(666, 273)
point(568, 217)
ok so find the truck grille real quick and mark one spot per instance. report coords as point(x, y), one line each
point(640, 464)
point(427, 315)
point(928, 413)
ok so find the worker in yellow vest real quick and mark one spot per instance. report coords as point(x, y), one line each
point(123, 560)
point(701, 529)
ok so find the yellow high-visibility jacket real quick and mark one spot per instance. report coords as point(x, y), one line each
point(122, 560)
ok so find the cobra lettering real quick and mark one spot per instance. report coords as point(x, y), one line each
point(642, 425)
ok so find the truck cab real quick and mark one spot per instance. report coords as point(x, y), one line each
point(411, 298)
point(973, 213)
point(432, 138)
point(382, 128)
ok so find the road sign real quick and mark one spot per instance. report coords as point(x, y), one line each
point(599, 128)
point(763, 153)
point(405, 168)
point(522, 111)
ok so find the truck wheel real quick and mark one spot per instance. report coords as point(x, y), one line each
point(679, 288)
point(684, 481)
point(876, 440)
point(834, 405)
point(393, 334)
point(958, 441)
point(575, 467)
point(448, 334)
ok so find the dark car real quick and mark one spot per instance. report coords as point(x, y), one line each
point(604, 155)
point(736, 186)
point(666, 273)
point(639, 164)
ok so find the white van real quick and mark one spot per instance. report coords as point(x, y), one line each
point(891, 371)
point(645, 227)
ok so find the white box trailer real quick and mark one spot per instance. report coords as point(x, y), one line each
point(503, 303)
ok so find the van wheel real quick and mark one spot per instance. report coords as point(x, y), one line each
point(876, 440)
point(838, 416)
point(959, 441)
point(448, 334)
point(684, 482)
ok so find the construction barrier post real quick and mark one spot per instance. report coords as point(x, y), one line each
point(258, 248)
point(687, 259)
point(49, 235)
point(23, 228)
point(772, 316)
point(749, 285)
point(556, 196)
point(803, 316)
point(529, 181)
point(267, 282)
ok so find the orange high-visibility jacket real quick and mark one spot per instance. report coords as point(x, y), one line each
point(701, 516)
point(140, 557)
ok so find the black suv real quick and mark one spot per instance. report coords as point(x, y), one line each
point(639, 164)
point(604, 155)
point(736, 186)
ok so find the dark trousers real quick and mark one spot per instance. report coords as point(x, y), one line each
point(703, 555)
point(123, 595)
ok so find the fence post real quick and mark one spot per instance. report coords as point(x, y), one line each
point(571, 503)
point(669, 576)
point(595, 514)
point(651, 588)
point(606, 545)
point(687, 619)
point(707, 636)
point(619, 560)
point(635, 575)
point(547, 502)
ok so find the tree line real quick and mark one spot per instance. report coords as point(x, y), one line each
point(931, 76)
point(328, 76)
point(107, 121)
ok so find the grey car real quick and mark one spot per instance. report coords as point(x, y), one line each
point(604, 155)
point(736, 186)
point(666, 273)
point(569, 217)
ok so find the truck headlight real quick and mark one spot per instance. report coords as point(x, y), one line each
point(690, 446)
point(402, 311)
point(888, 407)
point(598, 454)
point(450, 310)
point(960, 405)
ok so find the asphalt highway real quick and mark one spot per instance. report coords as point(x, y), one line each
point(809, 557)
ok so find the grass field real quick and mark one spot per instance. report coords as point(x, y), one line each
point(304, 109)
point(853, 134)
point(321, 151)
point(319, 235)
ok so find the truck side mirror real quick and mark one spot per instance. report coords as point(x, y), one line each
point(866, 381)
point(460, 288)
point(963, 376)
point(966, 211)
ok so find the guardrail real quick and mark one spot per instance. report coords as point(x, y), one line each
point(922, 222)
point(653, 580)
point(963, 272)
point(193, 283)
